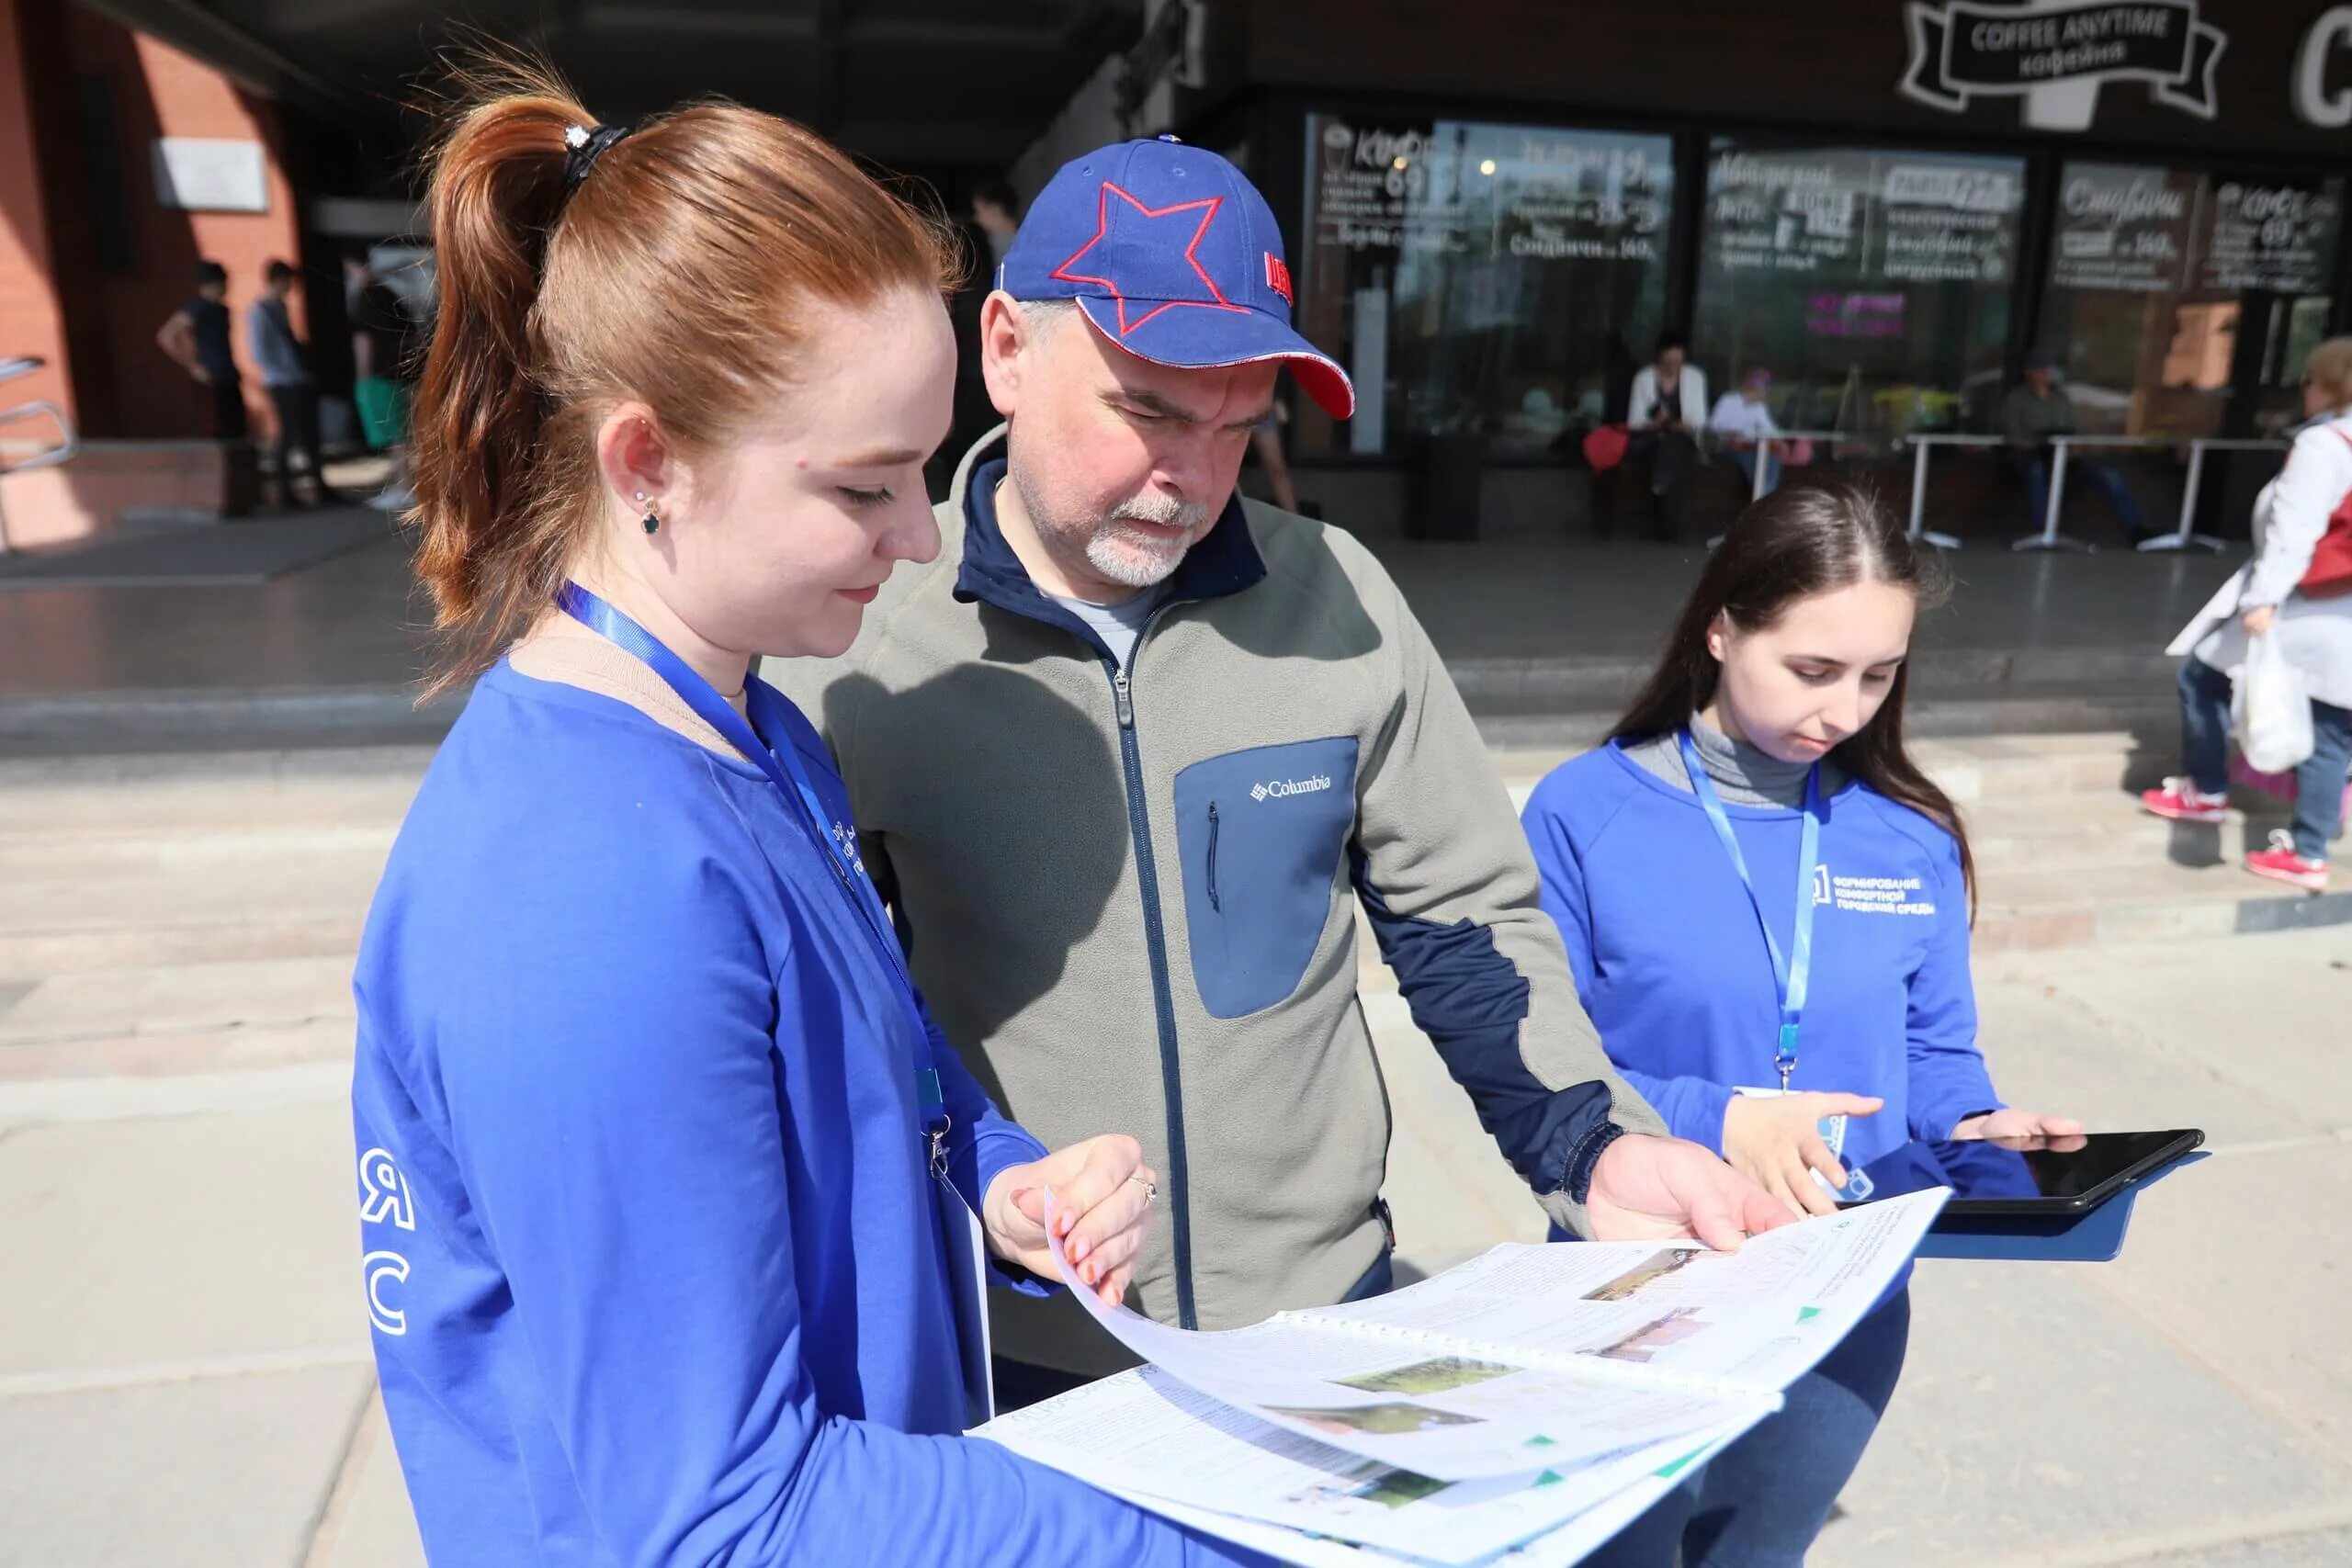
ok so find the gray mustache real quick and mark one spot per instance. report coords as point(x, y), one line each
point(1167, 514)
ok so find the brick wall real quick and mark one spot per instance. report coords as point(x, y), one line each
point(155, 92)
point(91, 262)
point(31, 320)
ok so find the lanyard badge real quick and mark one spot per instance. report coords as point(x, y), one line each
point(1792, 974)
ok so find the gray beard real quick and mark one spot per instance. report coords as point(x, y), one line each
point(1117, 553)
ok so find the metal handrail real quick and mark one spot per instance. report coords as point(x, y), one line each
point(69, 445)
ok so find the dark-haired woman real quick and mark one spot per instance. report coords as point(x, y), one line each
point(665, 1170)
point(1765, 905)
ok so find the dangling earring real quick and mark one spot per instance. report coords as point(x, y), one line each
point(652, 519)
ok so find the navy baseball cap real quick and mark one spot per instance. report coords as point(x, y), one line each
point(1174, 257)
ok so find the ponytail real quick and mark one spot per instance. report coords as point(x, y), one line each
point(488, 553)
point(674, 274)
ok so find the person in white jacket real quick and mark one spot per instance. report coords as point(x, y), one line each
point(2290, 516)
point(1667, 414)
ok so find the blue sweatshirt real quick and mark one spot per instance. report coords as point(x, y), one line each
point(652, 1258)
point(1663, 942)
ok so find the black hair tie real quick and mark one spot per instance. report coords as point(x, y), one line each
point(583, 145)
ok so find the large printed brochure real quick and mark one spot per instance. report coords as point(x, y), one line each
point(1506, 1410)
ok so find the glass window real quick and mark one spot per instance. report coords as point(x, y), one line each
point(1873, 285)
point(1477, 279)
point(2156, 276)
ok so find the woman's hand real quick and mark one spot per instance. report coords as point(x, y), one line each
point(2062, 1134)
point(1103, 1194)
point(1777, 1141)
point(2260, 619)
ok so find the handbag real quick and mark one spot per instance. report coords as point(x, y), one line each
point(1604, 446)
point(2330, 574)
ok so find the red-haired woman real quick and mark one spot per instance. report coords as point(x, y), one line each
point(663, 1165)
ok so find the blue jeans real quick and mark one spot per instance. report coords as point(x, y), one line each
point(2103, 478)
point(1760, 1502)
point(1745, 456)
point(2319, 782)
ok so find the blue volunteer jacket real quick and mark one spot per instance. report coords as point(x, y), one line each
point(1663, 942)
point(652, 1254)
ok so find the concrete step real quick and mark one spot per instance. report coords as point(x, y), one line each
point(180, 999)
point(32, 954)
point(61, 924)
point(71, 796)
point(2042, 909)
point(181, 1054)
point(2075, 831)
point(63, 900)
point(133, 851)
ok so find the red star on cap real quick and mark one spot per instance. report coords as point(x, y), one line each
point(1206, 206)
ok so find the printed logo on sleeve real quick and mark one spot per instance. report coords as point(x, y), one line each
point(384, 1199)
point(1872, 895)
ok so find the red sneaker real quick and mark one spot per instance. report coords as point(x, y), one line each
point(2182, 801)
point(2280, 863)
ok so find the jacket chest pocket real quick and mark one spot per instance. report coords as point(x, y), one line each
point(1261, 833)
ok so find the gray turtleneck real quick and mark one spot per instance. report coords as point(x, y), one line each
point(1742, 775)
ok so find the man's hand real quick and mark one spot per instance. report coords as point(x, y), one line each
point(2062, 1134)
point(2260, 619)
point(1777, 1141)
point(1649, 1188)
point(1102, 1196)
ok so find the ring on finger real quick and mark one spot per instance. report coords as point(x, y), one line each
point(1150, 1188)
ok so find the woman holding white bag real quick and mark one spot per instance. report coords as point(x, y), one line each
point(2296, 593)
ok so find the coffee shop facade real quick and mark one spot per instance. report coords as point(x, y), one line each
point(1492, 212)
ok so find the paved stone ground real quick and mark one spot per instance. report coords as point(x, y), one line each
point(183, 1373)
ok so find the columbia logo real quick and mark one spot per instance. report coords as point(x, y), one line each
point(1276, 789)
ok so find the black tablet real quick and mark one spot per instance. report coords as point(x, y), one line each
point(2023, 1176)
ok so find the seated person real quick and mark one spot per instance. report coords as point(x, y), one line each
point(2033, 413)
point(1744, 423)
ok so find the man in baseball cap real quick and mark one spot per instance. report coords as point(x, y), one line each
point(1129, 754)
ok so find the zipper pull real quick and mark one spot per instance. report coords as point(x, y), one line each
point(1216, 903)
point(1126, 707)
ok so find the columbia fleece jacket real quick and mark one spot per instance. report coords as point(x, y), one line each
point(1128, 894)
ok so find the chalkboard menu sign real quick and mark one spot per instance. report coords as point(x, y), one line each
point(2124, 226)
point(1532, 192)
point(1850, 216)
point(2276, 237)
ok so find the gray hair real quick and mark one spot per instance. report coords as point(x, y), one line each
point(1047, 316)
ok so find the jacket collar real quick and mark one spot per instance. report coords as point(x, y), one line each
point(1224, 562)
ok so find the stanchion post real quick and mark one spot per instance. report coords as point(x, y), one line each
point(2187, 536)
point(1919, 487)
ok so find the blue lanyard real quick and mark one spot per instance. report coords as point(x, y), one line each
point(785, 770)
point(1791, 975)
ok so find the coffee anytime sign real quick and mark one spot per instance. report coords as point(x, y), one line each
point(1962, 50)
